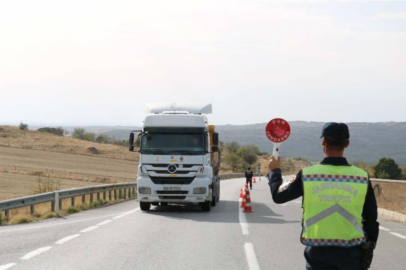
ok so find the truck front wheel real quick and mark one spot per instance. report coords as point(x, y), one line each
point(145, 206)
point(206, 206)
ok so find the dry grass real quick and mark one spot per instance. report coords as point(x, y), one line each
point(29, 139)
point(289, 165)
point(33, 162)
point(390, 195)
point(20, 169)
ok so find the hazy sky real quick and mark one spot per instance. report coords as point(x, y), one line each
point(98, 62)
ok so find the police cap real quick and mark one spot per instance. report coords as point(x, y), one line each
point(336, 131)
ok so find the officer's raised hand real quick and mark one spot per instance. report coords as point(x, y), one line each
point(274, 163)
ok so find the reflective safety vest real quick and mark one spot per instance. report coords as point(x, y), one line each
point(333, 201)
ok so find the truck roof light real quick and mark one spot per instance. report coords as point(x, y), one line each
point(179, 108)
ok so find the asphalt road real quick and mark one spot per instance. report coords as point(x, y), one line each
point(179, 237)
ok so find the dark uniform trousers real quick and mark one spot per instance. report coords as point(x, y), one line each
point(333, 258)
point(249, 182)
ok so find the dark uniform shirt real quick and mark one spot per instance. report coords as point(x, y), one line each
point(295, 190)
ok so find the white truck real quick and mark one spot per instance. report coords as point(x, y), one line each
point(179, 157)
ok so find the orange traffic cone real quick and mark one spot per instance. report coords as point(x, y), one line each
point(248, 208)
point(255, 181)
point(244, 201)
point(241, 194)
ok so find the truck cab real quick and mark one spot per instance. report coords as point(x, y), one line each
point(179, 157)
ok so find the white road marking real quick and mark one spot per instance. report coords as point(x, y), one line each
point(89, 229)
point(383, 229)
point(398, 235)
point(66, 239)
point(35, 253)
point(126, 214)
point(242, 219)
point(7, 266)
point(104, 222)
point(251, 257)
point(41, 226)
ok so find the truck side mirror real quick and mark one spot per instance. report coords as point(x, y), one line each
point(216, 139)
point(131, 142)
point(215, 148)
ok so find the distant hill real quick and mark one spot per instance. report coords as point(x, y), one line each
point(369, 141)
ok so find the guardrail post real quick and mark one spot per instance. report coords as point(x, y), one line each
point(56, 204)
point(109, 195)
point(32, 209)
point(72, 201)
point(115, 195)
point(7, 214)
point(98, 195)
point(119, 194)
point(0, 216)
point(91, 197)
point(104, 195)
point(83, 198)
point(125, 193)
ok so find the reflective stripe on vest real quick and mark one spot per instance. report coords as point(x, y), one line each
point(333, 201)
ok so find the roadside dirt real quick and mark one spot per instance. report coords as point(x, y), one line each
point(390, 195)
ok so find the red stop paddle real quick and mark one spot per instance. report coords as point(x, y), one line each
point(277, 131)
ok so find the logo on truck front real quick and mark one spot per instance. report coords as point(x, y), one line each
point(172, 168)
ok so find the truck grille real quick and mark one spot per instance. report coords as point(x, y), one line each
point(172, 180)
point(177, 192)
point(172, 197)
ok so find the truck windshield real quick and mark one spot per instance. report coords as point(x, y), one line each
point(171, 143)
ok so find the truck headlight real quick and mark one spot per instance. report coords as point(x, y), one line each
point(144, 190)
point(199, 190)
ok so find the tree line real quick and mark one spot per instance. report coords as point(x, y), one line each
point(238, 157)
point(82, 134)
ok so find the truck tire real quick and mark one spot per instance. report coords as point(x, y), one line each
point(206, 206)
point(218, 195)
point(145, 206)
point(213, 201)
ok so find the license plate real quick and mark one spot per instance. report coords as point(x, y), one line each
point(171, 188)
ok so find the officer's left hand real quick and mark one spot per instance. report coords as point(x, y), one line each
point(274, 164)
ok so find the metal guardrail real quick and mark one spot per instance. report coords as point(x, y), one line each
point(56, 197)
point(388, 180)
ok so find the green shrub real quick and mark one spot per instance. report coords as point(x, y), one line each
point(72, 210)
point(23, 126)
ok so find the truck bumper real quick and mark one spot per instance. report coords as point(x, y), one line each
point(183, 194)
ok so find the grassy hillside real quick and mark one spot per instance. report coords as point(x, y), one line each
point(29, 157)
point(34, 140)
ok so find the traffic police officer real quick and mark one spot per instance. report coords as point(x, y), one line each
point(339, 226)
